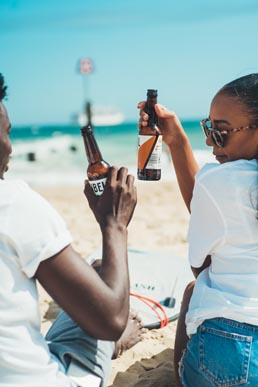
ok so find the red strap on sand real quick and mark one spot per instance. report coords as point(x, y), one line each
point(152, 304)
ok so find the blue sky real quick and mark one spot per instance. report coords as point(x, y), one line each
point(187, 49)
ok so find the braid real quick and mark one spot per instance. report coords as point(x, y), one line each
point(246, 90)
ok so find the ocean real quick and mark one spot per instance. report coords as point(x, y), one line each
point(50, 155)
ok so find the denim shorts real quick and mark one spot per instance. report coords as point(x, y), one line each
point(222, 353)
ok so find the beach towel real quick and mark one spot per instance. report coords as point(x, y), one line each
point(157, 283)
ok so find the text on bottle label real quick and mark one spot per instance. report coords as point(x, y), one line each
point(98, 186)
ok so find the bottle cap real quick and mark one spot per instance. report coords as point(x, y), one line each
point(152, 93)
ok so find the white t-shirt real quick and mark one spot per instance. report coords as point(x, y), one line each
point(30, 232)
point(224, 224)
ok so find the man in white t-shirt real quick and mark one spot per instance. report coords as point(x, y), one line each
point(36, 245)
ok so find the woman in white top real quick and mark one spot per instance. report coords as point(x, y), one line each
point(217, 330)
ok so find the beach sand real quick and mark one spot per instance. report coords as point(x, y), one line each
point(160, 223)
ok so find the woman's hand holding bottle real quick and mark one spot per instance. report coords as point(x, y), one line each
point(168, 122)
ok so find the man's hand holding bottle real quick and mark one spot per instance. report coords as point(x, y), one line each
point(118, 201)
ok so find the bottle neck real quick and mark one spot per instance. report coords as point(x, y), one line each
point(149, 108)
point(91, 147)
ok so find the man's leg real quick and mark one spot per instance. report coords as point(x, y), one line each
point(68, 341)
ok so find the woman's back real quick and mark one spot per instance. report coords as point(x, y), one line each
point(224, 225)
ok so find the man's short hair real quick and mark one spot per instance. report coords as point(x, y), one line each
point(3, 88)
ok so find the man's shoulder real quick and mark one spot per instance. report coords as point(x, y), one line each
point(14, 190)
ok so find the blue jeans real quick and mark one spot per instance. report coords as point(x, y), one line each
point(222, 353)
point(67, 341)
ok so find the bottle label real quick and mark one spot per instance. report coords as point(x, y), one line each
point(98, 186)
point(149, 152)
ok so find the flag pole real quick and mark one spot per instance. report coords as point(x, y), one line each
point(85, 68)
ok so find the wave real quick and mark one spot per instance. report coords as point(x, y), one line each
point(62, 160)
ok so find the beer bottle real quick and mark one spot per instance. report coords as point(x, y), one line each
point(98, 168)
point(150, 143)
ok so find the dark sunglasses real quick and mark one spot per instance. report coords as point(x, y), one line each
point(219, 136)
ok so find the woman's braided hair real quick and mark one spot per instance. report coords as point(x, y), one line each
point(246, 90)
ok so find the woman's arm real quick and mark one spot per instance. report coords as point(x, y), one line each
point(179, 146)
point(197, 270)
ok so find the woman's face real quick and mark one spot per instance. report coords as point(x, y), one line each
point(228, 113)
point(5, 143)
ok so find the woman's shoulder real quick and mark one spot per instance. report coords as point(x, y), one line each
point(229, 170)
point(228, 178)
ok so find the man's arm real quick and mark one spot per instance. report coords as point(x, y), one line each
point(99, 303)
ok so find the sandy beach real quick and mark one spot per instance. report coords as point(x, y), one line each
point(160, 223)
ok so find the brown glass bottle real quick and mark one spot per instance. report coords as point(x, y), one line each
point(150, 143)
point(98, 168)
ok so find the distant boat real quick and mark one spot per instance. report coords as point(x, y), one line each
point(101, 116)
